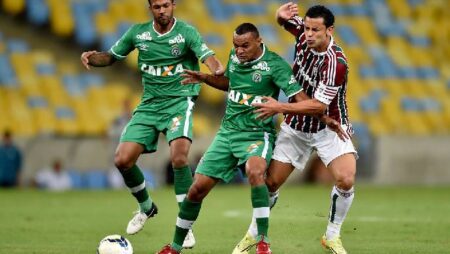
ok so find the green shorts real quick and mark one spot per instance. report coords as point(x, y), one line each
point(171, 116)
point(230, 149)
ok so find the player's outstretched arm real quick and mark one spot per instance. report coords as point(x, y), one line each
point(271, 107)
point(286, 12)
point(330, 122)
point(96, 59)
point(214, 65)
point(194, 77)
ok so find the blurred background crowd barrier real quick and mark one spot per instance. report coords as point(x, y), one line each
point(398, 96)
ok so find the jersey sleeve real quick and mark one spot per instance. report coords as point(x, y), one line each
point(123, 46)
point(294, 26)
point(197, 45)
point(284, 78)
point(332, 76)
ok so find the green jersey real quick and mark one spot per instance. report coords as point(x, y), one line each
point(250, 81)
point(163, 57)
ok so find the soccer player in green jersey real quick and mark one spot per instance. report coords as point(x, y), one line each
point(167, 47)
point(252, 72)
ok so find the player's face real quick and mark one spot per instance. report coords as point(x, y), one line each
point(247, 46)
point(162, 11)
point(317, 34)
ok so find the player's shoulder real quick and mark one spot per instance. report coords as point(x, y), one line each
point(338, 54)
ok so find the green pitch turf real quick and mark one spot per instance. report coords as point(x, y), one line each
point(382, 220)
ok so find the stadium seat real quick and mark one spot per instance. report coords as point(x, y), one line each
point(95, 179)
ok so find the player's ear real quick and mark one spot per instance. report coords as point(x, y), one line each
point(330, 30)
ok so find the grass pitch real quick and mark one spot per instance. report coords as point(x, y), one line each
point(382, 220)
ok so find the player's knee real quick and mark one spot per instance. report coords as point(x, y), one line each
point(197, 193)
point(255, 177)
point(346, 182)
point(123, 162)
point(179, 161)
point(272, 184)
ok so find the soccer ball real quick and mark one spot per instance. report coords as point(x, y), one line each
point(114, 244)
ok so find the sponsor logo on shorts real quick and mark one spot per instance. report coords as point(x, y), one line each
point(254, 147)
point(176, 122)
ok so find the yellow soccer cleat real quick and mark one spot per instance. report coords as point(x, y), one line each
point(334, 245)
point(244, 246)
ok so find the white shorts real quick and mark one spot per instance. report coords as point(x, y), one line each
point(295, 147)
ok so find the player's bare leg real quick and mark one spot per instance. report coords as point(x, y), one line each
point(343, 169)
point(179, 150)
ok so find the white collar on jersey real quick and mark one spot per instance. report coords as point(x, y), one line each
point(328, 48)
point(259, 58)
point(159, 35)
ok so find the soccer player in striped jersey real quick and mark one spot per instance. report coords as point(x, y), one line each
point(167, 47)
point(321, 68)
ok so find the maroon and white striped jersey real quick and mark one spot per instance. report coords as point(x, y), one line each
point(323, 76)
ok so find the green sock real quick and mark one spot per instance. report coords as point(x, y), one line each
point(182, 180)
point(186, 217)
point(261, 210)
point(135, 181)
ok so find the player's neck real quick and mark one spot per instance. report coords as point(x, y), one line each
point(164, 29)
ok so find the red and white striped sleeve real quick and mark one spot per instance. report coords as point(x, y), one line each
point(332, 76)
point(294, 26)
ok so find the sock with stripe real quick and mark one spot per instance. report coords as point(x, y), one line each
point(135, 181)
point(261, 210)
point(182, 181)
point(186, 217)
point(253, 229)
point(341, 201)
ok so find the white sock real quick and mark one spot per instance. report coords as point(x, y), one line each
point(340, 204)
point(253, 228)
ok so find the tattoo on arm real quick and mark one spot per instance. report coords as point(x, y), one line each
point(101, 59)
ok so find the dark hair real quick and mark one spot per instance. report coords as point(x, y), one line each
point(150, 2)
point(247, 28)
point(320, 11)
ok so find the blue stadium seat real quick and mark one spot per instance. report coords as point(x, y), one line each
point(37, 102)
point(77, 179)
point(45, 69)
point(91, 79)
point(149, 178)
point(213, 39)
point(37, 12)
point(348, 35)
point(64, 113)
point(96, 179)
point(7, 74)
point(17, 45)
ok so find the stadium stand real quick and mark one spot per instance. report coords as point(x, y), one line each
point(399, 80)
point(399, 74)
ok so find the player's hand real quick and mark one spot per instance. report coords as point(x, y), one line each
point(191, 77)
point(267, 109)
point(336, 127)
point(220, 70)
point(287, 11)
point(85, 58)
